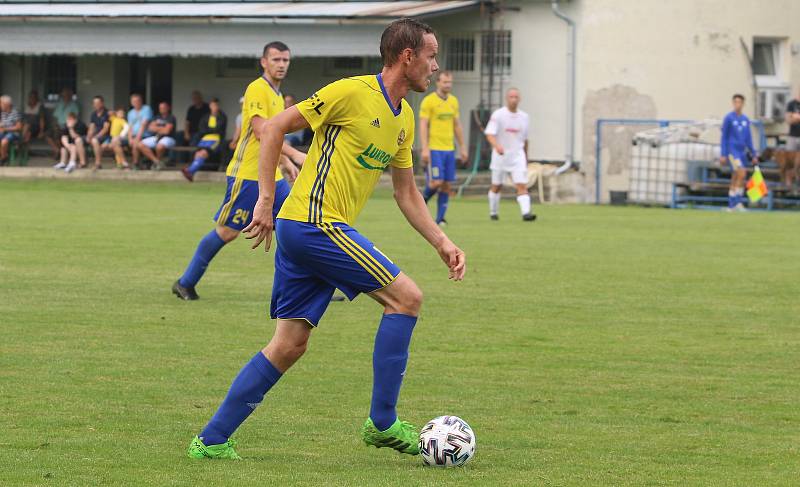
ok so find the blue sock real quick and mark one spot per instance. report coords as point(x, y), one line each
point(245, 394)
point(389, 365)
point(732, 199)
point(441, 205)
point(197, 164)
point(206, 250)
point(428, 193)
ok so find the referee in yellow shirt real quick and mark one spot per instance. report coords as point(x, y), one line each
point(439, 121)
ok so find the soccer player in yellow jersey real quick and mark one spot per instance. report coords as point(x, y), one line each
point(262, 101)
point(438, 122)
point(361, 125)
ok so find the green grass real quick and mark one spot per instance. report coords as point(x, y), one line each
point(597, 346)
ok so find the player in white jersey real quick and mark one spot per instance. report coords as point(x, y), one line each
point(507, 133)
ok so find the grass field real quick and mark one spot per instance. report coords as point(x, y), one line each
point(597, 346)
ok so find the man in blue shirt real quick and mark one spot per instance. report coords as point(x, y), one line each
point(736, 147)
point(139, 117)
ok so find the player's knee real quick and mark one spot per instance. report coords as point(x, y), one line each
point(410, 300)
point(227, 234)
point(435, 184)
point(445, 186)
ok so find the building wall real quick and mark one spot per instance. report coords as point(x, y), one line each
point(96, 77)
point(680, 59)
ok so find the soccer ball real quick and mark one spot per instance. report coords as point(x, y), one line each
point(446, 441)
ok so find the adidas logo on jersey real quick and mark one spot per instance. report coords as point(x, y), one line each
point(376, 123)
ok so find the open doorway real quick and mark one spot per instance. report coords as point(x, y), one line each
point(152, 77)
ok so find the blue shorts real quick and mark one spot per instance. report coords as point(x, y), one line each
point(208, 144)
point(236, 210)
point(738, 160)
point(312, 260)
point(10, 136)
point(443, 165)
point(105, 140)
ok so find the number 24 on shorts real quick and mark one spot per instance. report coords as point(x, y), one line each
point(240, 217)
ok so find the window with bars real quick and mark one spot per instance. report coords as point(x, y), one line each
point(496, 50)
point(460, 54)
point(60, 72)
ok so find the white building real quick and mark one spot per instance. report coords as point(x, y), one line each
point(676, 59)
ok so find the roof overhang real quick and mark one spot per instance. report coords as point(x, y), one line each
point(236, 29)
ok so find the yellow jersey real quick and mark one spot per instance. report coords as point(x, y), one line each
point(212, 124)
point(117, 126)
point(357, 134)
point(441, 113)
point(262, 100)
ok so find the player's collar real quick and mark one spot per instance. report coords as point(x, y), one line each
point(395, 110)
point(276, 90)
point(440, 96)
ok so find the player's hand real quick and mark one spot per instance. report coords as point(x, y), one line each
point(454, 258)
point(261, 226)
point(300, 158)
point(463, 156)
point(499, 149)
point(756, 161)
point(722, 160)
point(425, 156)
point(290, 171)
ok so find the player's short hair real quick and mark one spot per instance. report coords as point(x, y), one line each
point(278, 45)
point(402, 34)
point(512, 88)
point(5, 99)
point(214, 99)
point(72, 115)
point(443, 73)
point(98, 97)
point(739, 96)
point(137, 95)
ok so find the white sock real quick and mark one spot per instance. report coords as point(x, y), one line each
point(494, 202)
point(524, 201)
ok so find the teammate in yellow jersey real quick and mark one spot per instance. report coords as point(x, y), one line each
point(361, 125)
point(262, 101)
point(439, 121)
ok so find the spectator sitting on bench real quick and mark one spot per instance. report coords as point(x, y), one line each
point(194, 114)
point(38, 123)
point(72, 136)
point(119, 134)
point(160, 135)
point(99, 127)
point(211, 132)
point(66, 105)
point(138, 117)
point(10, 127)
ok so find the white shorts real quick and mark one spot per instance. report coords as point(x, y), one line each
point(519, 175)
point(151, 142)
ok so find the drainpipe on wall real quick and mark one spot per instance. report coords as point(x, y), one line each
point(568, 158)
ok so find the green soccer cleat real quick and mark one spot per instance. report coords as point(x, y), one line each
point(197, 449)
point(401, 436)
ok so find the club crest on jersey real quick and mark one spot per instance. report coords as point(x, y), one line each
point(375, 154)
point(401, 137)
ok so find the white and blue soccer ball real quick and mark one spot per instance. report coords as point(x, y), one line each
point(446, 441)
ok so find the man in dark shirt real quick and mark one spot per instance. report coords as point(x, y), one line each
point(72, 134)
point(194, 114)
point(99, 127)
point(793, 120)
point(159, 135)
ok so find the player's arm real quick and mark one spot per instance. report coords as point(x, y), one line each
point(293, 156)
point(492, 129)
point(459, 133)
point(495, 145)
point(748, 140)
point(723, 143)
point(270, 134)
point(525, 148)
point(413, 207)
point(167, 129)
point(424, 133)
point(91, 131)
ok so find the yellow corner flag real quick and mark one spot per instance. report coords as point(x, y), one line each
point(756, 187)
